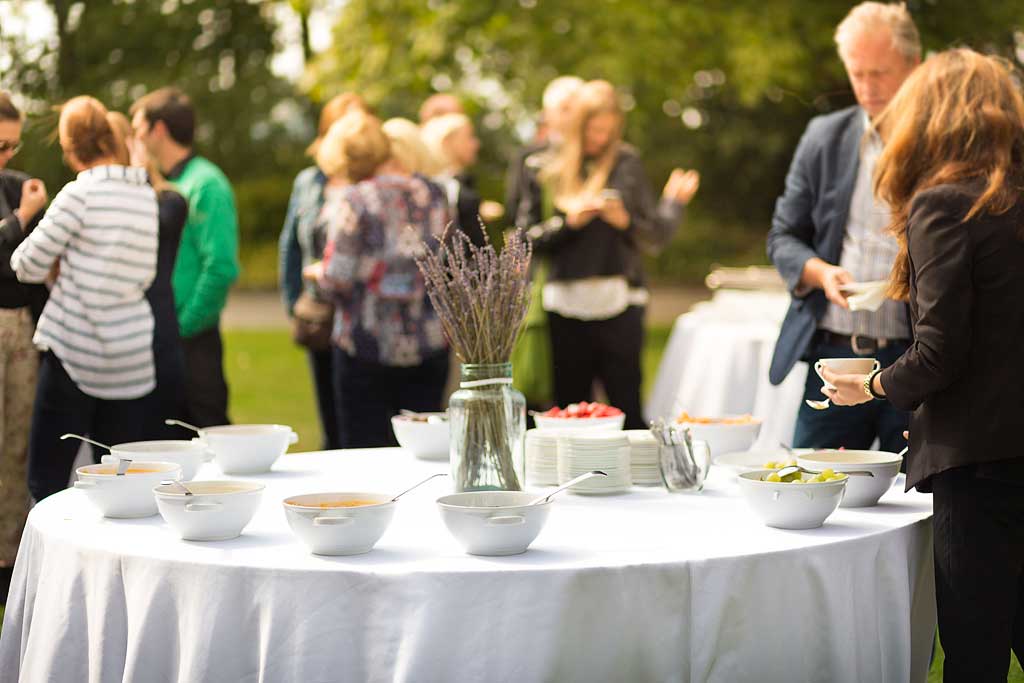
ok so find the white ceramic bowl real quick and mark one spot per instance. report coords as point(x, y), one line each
point(339, 530)
point(189, 454)
point(247, 449)
point(748, 461)
point(493, 522)
point(791, 506)
point(615, 422)
point(128, 495)
point(860, 491)
point(724, 438)
point(425, 440)
point(216, 510)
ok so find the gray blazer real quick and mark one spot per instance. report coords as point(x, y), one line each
point(810, 220)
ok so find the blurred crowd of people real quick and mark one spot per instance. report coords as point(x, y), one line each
point(111, 293)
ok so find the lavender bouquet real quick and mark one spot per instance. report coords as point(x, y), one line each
point(481, 296)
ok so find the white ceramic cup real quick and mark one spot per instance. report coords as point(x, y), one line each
point(846, 366)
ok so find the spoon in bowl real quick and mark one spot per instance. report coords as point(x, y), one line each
point(432, 476)
point(173, 482)
point(186, 425)
point(793, 469)
point(122, 463)
point(571, 482)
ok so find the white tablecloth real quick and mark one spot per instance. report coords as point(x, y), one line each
point(647, 586)
point(716, 363)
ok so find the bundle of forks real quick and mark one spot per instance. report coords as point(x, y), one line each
point(679, 468)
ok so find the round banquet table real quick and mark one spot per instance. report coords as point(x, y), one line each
point(644, 586)
point(716, 363)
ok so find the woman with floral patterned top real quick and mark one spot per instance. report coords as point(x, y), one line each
point(390, 352)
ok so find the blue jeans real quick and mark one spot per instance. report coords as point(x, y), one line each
point(853, 427)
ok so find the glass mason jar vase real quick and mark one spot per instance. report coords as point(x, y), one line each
point(487, 419)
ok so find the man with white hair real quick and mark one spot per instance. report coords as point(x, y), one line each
point(829, 232)
point(521, 182)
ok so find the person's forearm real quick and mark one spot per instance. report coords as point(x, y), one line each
point(876, 385)
point(811, 276)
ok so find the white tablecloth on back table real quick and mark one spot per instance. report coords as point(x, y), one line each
point(648, 586)
point(716, 364)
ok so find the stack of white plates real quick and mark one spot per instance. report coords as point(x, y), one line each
point(643, 456)
point(542, 457)
point(606, 451)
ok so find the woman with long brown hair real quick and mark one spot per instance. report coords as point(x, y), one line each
point(953, 174)
point(604, 214)
point(96, 330)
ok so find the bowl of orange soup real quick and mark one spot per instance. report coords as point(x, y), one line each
point(212, 510)
point(125, 495)
point(344, 523)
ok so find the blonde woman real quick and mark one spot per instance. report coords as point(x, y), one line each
point(454, 146)
point(390, 352)
point(409, 154)
point(605, 213)
point(301, 243)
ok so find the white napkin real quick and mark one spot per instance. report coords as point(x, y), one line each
point(866, 296)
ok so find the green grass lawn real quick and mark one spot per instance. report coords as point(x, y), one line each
point(270, 380)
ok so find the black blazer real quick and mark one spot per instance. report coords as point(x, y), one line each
point(964, 373)
point(810, 221)
point(15, 294)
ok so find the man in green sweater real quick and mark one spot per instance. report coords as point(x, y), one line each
point(207, 262)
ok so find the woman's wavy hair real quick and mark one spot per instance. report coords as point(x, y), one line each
point(959, 118)
point(566, 172)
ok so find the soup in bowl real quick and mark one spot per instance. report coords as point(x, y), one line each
point(342, 523)
point(125, 495)
point(215, 510)
point(493, 522)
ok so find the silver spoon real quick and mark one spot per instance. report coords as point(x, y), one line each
point(172, 482)
point(432, 476)
point(186, 425)
point(122, 463)
point(793, 469)
point(429, 419)
point(571, 482)
point(85, 439)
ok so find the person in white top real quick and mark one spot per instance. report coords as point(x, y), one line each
point(97, 244)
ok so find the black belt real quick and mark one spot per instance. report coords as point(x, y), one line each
point(859, 344)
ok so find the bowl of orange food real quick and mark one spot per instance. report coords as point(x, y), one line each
point(344, 523)
point(725, 434)
point(129, 494)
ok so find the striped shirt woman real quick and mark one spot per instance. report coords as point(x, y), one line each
point(102, 230)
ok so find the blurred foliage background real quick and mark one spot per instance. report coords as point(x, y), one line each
point(724, 86)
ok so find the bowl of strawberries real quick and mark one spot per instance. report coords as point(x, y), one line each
point(582, 415)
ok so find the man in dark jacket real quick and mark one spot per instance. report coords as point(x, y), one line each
point(829, 231)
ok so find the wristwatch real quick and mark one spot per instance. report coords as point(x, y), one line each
point(869, 389)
